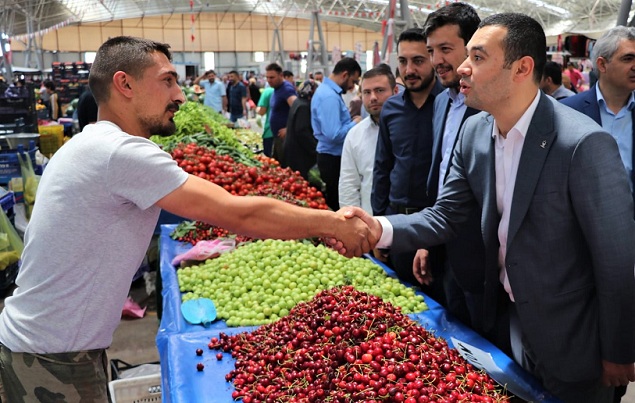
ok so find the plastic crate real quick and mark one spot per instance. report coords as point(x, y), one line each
point(142, 389)
point(7, 201)
point(51, 138)
point(10, 164)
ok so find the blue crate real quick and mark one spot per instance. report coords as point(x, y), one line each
point(7, 201)
point(10, 164)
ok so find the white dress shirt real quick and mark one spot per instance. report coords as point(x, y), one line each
point(507, 154)
point(358, 161)
point(507, 151)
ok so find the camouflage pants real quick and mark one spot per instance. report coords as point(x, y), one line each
point(53, 378)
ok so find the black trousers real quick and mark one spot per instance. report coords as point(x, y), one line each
point(329, 166)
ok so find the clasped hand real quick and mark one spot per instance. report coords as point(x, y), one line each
point(358, 234)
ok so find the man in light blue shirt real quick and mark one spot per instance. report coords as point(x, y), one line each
point(215, 96)
point(331, 120)
point(611, 102)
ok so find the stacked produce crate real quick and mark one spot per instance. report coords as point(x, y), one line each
point(70, 79)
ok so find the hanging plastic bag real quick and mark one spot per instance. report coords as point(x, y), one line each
point(204, 250)
point(11, 244)
point(30, 183)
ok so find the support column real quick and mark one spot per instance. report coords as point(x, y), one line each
point(625, 8)
point(397, 20)
point(317, 59)
point(277, 55)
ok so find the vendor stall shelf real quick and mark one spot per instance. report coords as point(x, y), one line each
point(178, 340)
point(70, 79)
point(17, 109)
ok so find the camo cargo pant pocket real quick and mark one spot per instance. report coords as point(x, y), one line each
point(53, 378)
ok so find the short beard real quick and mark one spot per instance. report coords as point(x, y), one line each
point(456, 84)
point(156, 126)
point(425, 83)
point(160, 129)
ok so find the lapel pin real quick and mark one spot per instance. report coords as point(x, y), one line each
point(543, 144)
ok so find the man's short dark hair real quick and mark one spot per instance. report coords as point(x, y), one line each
point(349, 65)
point(274, 67)
point(210, 72)
point(287, 74)
point(49, 85)
point(553, 70)
point(461, 14)
point(381, 70)
point(122, 53)
point(525, 37)
point(234, 72)
point(412, 35)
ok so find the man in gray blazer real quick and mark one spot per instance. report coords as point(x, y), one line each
point(557, 216)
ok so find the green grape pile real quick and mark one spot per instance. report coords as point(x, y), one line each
point(260, 282)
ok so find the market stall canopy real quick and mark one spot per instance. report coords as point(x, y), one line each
point(27, 17)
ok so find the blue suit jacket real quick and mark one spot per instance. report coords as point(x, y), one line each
point(465, 253)
point(571, 236)
point(587, 103)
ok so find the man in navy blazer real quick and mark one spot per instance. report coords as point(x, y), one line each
point(611, 102)
point(557, 216)
point(448, 30)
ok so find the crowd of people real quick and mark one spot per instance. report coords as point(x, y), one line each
point(470, 170)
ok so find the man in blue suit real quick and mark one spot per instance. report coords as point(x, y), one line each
point(557, 217)
point(610, 102)
point(448, 30)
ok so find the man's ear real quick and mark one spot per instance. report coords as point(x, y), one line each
point(122, 83)
point(601, 63)
point(523, 68)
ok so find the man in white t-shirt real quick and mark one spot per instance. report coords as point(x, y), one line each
point(215, 95)
point(98, 203)
point(358, 154)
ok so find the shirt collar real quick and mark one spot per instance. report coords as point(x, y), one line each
point(522, 126)
point(601, 101)
point(457, 97)
point(333, 85)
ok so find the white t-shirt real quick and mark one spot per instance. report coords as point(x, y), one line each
point(93, 220)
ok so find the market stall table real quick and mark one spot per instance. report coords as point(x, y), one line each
point(177, 342)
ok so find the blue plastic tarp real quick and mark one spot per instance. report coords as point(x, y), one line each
point(177, 342)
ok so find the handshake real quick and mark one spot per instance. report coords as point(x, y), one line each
point(356, 234)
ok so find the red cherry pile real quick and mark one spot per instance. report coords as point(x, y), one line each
point(268, 179)
point(349, 346)
point(194, 231)
point(240, 179)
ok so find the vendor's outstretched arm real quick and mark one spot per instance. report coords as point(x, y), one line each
point(264, 217)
